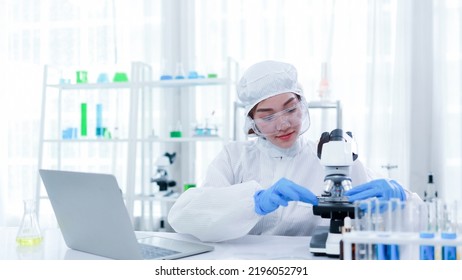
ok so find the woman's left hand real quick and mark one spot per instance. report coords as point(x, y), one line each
point(383, 189)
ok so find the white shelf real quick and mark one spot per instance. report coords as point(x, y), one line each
point(92, 86)
point(327, 104)
point(324, 104)
point(135, 115)
point(186, 82)
point(128, 85)
point(148, 140)
point(156, 198)
point(85, 140)
point(183, 139)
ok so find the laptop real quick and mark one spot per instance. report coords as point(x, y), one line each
point(92, 216)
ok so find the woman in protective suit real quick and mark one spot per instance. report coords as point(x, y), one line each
point(268, 186)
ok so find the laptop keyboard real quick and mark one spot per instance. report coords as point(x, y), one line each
point(152, 252)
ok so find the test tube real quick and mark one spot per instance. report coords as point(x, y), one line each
point(427, 252)
point(410, 221)
point(393, 226)
point(363, 224)
point(99, 120)
point(378, 226)
point(345, 229)
point(383, 226)
point(449, 230)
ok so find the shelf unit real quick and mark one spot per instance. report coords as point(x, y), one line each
point(325, 104)
point(131, 154)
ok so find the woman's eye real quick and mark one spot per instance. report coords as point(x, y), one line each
point(293, 109)
point(268, 118)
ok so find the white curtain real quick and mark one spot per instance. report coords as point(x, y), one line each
point(447, 98)
point(367, 46)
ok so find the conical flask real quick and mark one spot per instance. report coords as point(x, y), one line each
point(29, 233)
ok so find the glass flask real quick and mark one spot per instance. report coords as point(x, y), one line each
point(29, 233)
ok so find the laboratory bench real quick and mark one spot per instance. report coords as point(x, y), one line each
point(250, 247)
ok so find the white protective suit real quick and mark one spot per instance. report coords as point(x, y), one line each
point(223, 208)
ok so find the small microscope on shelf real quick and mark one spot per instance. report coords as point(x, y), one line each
point(164, 194)
point(161, 177)
point(337, 152)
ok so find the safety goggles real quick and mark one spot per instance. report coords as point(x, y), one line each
point(295, 116)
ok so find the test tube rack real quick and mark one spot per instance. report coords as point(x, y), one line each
point(409, 242)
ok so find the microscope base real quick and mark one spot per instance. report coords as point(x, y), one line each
point(318, 240)
point(325, 243)
point(333, 244)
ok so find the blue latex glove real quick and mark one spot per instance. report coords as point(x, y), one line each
point(283, 191)
point(383, 189)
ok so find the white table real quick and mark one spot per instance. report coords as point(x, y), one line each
point(251, 247)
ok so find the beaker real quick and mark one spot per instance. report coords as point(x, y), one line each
point(29, 233)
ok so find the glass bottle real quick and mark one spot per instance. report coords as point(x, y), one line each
point(29, 233)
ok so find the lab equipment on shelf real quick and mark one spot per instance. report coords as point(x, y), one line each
point(70, 133)
point(120, 77)
point(180, 73)
point(99, 120)
point(101, 131)
point(161, 177)
point(193, 75)
point(102, 78)
point(83, 119)
point(188, 186)
point(176, 132)
point(203, 131)
point(82, 77)
point(207, 127)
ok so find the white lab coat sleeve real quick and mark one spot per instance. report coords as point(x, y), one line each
point(216, 214)
point(413, 198)
point(222, 208)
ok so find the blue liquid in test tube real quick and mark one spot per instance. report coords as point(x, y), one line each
point(387, 252)
point(449, 232)
point(99, 120)
point(393, 252)
point(427, 252)
point(449, 252)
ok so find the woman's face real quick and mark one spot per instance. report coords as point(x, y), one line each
point(283, 128)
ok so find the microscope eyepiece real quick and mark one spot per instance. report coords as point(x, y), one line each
point(336, 135)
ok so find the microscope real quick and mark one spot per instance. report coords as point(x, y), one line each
point(161, 177)
point(337, 152)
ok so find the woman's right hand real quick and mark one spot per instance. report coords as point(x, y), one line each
point(283, 191)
